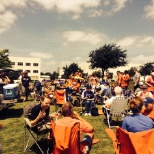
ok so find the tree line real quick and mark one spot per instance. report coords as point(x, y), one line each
point(104, 58)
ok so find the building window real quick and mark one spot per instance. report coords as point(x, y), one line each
point(28, 64)
point(13, 63)
point(28, 71)
point(35, 71)
point(35, 64)
point(20, 63)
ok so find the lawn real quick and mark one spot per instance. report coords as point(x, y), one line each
point(12, 133)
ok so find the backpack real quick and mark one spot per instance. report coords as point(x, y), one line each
point(94, 111)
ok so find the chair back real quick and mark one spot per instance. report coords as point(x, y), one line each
point(118, 106)
point(28, 108)
point(67, 139)
point(135, 143)
point(60, 96)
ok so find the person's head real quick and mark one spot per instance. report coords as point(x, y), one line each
point(144, 88)
point(135, 69)
point(125, 72)
point(88, 87)
point(67, 109)
point(118, 90)
point(118, 72)
point(149, 103)
point(25, 73)
point(136, 104)
point(45, 101)
point(152, 74)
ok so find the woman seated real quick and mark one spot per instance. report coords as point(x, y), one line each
point(144, 92)
point(137, 122)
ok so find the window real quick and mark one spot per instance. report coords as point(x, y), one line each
point(20, 63)
point(13, 63)
point(28, 71)
point(35, 71)
point(35, 64)
point(28, 64)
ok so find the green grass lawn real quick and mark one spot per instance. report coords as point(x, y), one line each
point(12, 133)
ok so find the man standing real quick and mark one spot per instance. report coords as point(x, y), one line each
point(136, 79)
point(25, 83)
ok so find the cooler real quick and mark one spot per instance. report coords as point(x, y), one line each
point(11, 91)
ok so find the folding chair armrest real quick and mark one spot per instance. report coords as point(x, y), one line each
point(108, 109)
point(28, 122)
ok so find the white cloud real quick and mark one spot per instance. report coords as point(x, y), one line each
point(149, 10)
point(138, 41)
point(141, 59)
point(7, 20)
point(95, 13)
point(61, 6)
point(79, 36)
point(14, 3)
point(76, 58)
point(41, 55)
point(127, 41)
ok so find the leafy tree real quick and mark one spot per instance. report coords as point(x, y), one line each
point(72, 68)
point(4, 59)
point(54, 75)
point(131, 72)
point(41, 73)
point(108, 56)
point(146, 69)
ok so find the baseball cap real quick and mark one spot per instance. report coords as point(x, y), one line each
point(135, 69)
point(148, 100)
point(140, 83)
point(88, 86)
point(144, 86)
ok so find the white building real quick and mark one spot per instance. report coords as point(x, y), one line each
point(32, 65)
point(60, 71)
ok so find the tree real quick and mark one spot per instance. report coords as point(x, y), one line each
point(146, 68)
point(72, 68)
point(54, 75)
point(108, 56)
point(4, 59)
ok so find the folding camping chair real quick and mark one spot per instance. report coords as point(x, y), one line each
point(125, 142)
point(60, 96)
point(34, 134)
point(66, 138)
point(118, 110)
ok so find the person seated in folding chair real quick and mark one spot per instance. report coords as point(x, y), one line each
point(88, 100)
point(40, 112)
point(70, 118)
point(137, 122)
point(118, 94)
point(148, 108)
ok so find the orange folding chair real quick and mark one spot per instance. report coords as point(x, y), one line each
point(132, 143)
point(67, 138)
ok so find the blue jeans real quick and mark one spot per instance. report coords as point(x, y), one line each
point(88, 105)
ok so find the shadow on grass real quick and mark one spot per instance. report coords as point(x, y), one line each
point(11, 113)
point(43, 145)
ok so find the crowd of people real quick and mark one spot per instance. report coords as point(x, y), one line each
point(91, 90)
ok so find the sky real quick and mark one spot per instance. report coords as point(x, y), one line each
point(62, 32)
